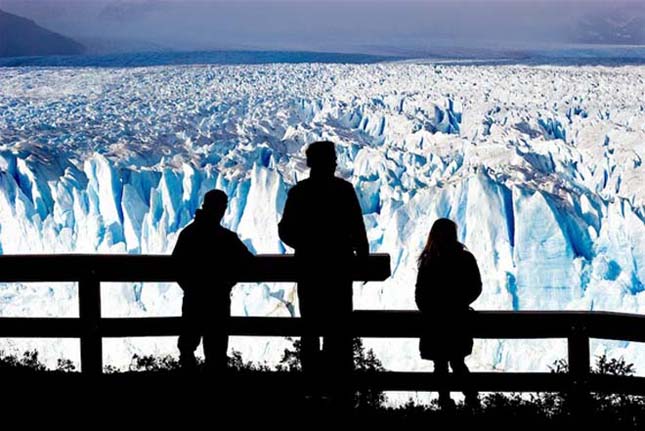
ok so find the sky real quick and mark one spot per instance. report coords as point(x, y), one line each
point(368, 26)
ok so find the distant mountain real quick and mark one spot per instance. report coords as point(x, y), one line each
point(620, 26)
point(23, 37)
point(120, 11)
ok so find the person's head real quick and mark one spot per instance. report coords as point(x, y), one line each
point(321, 158)
point(214, 204)
point(441, 239)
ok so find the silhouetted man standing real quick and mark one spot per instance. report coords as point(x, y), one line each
point(323, 222)
point(211, 259)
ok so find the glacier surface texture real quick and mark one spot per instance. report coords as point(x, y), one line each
point(540, 166)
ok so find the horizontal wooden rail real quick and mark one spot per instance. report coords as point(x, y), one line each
point(369, 324)
point(141, 268)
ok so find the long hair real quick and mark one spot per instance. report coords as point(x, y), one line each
point(442, 239)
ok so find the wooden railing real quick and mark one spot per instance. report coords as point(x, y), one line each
point(90, 270)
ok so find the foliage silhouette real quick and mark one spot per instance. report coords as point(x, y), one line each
point(30, 363)
point(611, 411)
point(365, 361)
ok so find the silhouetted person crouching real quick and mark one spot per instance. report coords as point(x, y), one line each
point(323, 222)
point(448, 282)
point(211, 259)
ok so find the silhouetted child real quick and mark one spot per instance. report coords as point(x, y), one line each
point(323, 222)
point(448, 282)
point(211, 258)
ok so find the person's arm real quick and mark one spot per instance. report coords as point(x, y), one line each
point(180, 255)
point(421, 289)
point(288, 226)
point(243, 258)
point(358, 233)
point(180, 246)
point(473, 279)
point(242, 252)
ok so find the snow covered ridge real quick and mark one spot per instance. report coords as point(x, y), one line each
point(541, 167)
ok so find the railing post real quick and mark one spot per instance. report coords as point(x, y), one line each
point(89, 295)
point(579, 370)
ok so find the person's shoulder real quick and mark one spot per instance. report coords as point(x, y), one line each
point(188, 229)
point(467, 255)
point(299, 186)
point(227, 233)
point(186, 239)
point(343, 184)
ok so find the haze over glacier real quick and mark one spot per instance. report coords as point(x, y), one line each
point(540, 166)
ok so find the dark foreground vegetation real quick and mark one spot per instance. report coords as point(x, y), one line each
point(158, 390)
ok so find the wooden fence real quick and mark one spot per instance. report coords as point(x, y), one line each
point(90, 270)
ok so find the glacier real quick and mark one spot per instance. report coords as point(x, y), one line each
point(540, 166)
